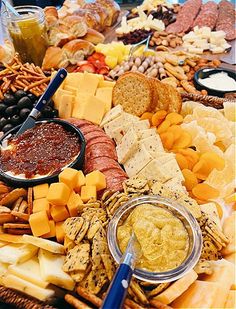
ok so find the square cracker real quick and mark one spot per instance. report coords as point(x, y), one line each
point(72, 226)
point(77, 258)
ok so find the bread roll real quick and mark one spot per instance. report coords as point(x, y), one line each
point(76, 50)
point(93, 36)
point(76, 25)
point(113, 10)
point(55, 58)
point(92, 19)
point(7, 52)
point(59, 36)
point(100, 10)
point(51, 16)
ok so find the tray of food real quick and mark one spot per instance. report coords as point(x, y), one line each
point(138, 142)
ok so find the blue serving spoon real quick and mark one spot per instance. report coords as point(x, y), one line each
point(49, 92)
point(118, 288)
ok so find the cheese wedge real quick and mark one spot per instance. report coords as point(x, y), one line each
point(46, 244)
point(17, 253)
point(29, 271)
point(11, 281)
point(72, 90)
point(51, 270)
point(154, 171)
point(60, 92)
point(80, 100)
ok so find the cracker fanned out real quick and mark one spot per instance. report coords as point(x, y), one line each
point(72, 226)
point(77, 258)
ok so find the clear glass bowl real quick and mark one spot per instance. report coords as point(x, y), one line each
point(189, 222)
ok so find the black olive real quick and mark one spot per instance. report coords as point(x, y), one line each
point(32, 97)
point(47, 112)
point(20, 94)
point(3, 122)
point(2, 108)
point(9, 99)
point(55, 113)
point(15, 120)
point(11, 110)
point(24, 113)
point(7, 127)
point(24, 102)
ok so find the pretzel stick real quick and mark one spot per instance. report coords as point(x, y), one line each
point(76, 303)
point(13, 88)
point(18, 82)
point(31, 72)
point(37, 83)
point(29, 77)
point(1, 95)
point(6, 85)
point(11, 69)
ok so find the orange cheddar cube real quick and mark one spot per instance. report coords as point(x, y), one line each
point(52, 232)
point(80, 181)
point(60, 233)
point(39, 223)
point(73, 204)
point(59, 213)
point(41, 204)
point(69, 177)
point(40, 191)
point(58, 194)
point(96, 178)
point(88, 192)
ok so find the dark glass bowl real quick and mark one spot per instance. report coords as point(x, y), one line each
point(206, 72)
point(77, 163)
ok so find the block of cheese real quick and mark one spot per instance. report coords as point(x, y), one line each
point(138, 161)
point(73, 90)
point(3, 271)
point(80, 181)
point(117, 122)
point(177, 288)
point(105, 95)
point(73, 80)
point(40, 205)
point(223, 273)
point(59, 213)
point(12, 281)
point(60, 233)
point(58, 193)
point(29, 271)
point(211, 210)
point(60, 92)
point(39, 223)
point(69, 177)
point(51, 269)
point(46, 244)
point(66, 103)
point(112, 114)
point(88, 192)
point(128, 145)
point(97, 179)
point(154, 171)
point(231, 300)
point(106, 83)
point(202, 294)
point(147, 133)
point(173, 169)
point(15, 239)
point(17, 253)
point(139, 125)
point(52, 232)
point(153, 144)
point(80, 101)
point(40, 191)
point(93, 110)
point(229, 231)
point(2, 244)
point(88, 83)
point(73, 204)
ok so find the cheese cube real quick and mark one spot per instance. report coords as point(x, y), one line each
point(153, 144)
point(58, 95)
point(105, 95)
point(60, 233)
point(73, 90)
point(69, 177)
point(39, 223)
point(59, 213)
point(106, 83)
point(41, 204)
point(66, 102)
point(52, 232)
point(93, 110)
point(89, 83)
point(58, 193)
point(96, 178)
point(73, 204)
point(29, 271)
point(17, 253)
point(51, 269)
point(73, 80)
point(127, 146)
point(80, 181)
point(27, 287)
point(40, 191)
point(88, 192)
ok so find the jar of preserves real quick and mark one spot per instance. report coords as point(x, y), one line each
point(28, 33)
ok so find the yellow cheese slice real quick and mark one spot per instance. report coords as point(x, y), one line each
point(46, 244)
point(11, 238)
point(106, 83)
point(88, 83)
point(17, 253)
point(231, 300)
point(80, 100)
point(73, 80)
point(59, 93)
point(73, 90)
point(66, 105)
point(93, 110)
point(105, 95)
point(3, 271)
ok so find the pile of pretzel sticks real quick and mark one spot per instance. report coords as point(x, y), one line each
point(27, 77)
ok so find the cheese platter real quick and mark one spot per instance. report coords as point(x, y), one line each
point(157, 164)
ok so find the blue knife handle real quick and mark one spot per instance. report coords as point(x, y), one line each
point(118, 288)
point(49, 92)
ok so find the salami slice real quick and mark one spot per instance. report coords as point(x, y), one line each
point(226, 19)
point(207, 16)
point(98, 140)
point(105, 151)
point(102, 164)
point(115, 172)
point(79, 122)
point(90, 128)
point(91, 135)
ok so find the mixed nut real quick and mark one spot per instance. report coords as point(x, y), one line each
point(164, 39)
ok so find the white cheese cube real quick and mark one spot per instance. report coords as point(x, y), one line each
point(127, 146)
point(154, 171)
point(153, 144)
point(146, 133)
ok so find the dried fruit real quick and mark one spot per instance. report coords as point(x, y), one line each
point(191, 155)
point(190, 179)
point(148, 116)
point(202, 169)
point(214, 160)
point(167, 139)
point(205, 192)
point(175, 118)
point(176, 130)
point(158, 117)
point(163, 126)
point(184, 141)
point(181, 160)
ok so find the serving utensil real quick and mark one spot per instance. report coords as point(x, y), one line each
point(49, 92)
point(10, 8)
point(118, 288)
point(137, 45)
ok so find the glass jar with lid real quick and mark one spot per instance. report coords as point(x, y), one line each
point(28, 33)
